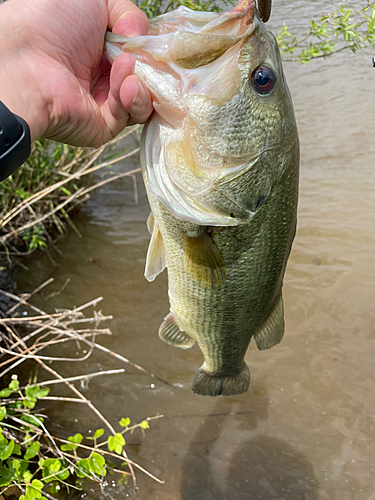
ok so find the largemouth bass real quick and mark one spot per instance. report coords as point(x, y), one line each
point(220, 163)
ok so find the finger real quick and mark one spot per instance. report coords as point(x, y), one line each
point(127, 92)
point(136, 100)
point(100, 85)
point(124, 18)
point(115, 115)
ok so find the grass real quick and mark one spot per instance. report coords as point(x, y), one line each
point(38, 198)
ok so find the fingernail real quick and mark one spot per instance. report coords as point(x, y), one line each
point(139, 96)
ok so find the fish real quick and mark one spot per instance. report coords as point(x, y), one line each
point(220, 162)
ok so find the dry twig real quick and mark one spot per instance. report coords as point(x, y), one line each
point(47, 330)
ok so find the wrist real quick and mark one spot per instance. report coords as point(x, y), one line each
point(19, 90)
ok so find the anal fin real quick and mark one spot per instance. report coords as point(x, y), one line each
point(170, 333)
point(271, 332)
point(155, 259)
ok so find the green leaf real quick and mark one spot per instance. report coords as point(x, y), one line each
point(36, 392)
point(5, 393)
point(98, 464)
point(37, 484)
point(14, 384)
point(116, 442)
point(15, 465)
point(52, 470)
point(6, 475)
point(6, 449)
point(97, 434)
point(53, 465)
point(32, 450)
point(84, 467)
point(33, 490)
point(3, 412)
point(65, 191)
point(77, 438)
point(144, 425)
point(30, 402)
point(31, 419)
point(17, 450)
point(124, 422)
point(27, 476)
point(91, 466)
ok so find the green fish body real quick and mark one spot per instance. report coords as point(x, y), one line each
point(220, 162)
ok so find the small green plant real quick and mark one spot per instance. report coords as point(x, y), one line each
point(32, 460)
point(343, 29)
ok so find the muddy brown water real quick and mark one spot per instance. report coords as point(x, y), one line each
point(305, 430)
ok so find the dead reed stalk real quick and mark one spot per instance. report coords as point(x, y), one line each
point(37, 199)
point(25, 335)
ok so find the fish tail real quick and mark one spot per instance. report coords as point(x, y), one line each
point(207, 384)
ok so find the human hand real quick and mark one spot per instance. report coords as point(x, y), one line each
point(54, 74)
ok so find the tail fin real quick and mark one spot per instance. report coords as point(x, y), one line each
point(207, 384)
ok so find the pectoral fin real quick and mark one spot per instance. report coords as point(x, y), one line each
point(204, 260)
point(150, 223)
point(271, 332)
point(155, 259)
point(170, 333)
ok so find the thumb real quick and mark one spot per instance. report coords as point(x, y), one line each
point(124, 18)
point(128, 101)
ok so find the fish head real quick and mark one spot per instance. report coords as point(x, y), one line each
point(224, 124)
point(238, 133)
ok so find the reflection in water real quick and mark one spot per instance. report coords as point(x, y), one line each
point(261, 467)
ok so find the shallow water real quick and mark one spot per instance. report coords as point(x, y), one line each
point(305, 430)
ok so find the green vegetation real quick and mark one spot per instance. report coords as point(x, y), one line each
point(343, 29)
point(32, 460)
point(153, 8)
point(38, 198)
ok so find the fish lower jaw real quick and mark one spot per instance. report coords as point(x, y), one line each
point(212, 384)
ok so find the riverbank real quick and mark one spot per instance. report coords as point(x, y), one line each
point(38, 199)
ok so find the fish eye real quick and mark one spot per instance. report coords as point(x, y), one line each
point(263, 79)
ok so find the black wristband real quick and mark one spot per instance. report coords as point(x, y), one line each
point(15, 142)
